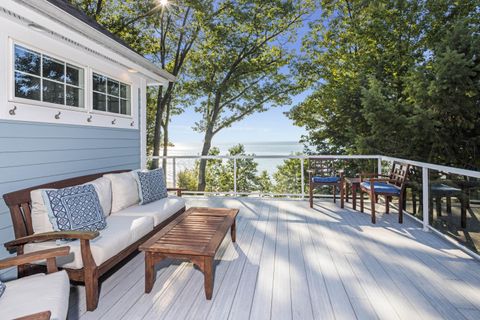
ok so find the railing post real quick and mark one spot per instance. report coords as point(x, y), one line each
point(174, 172)
point(303, 178)
point(379, 165)
point(235, 175)
point(426, 198)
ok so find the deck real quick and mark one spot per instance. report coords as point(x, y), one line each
point(293, 262)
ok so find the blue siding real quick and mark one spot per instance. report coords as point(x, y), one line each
point(36, 153)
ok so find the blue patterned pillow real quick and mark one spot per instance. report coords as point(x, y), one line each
point(151, 186)
point(2, 288)
point(74, 208)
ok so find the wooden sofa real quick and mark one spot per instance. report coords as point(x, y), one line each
point(19, 203)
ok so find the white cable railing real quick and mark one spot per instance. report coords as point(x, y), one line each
point(425, 167)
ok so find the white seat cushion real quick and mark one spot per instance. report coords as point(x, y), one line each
point(121, 232)
point(160, 210)
point(35, 294)
point(124, 190)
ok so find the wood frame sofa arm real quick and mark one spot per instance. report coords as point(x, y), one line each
point(177, 190)
point(49, 255)
point(54, 235)
point(45, 315)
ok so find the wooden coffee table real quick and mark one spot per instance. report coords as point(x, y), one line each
point(195, 235)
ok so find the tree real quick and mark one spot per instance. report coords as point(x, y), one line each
point(265, 184)
point(395, 78)
point(288, 177)
point(247, 180)
point(178, 29)
point(163, 34)
point(238, 71)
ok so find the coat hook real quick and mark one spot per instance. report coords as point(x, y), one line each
point(89, 119)
point(132, 123)
point(114, 120)
point(12, 111)
point(57, 116)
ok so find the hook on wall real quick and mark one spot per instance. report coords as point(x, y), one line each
point(89, 119)
point(57, 116)
point(12, 111)
point(114, 121)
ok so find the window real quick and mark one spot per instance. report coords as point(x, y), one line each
point(110, 95)
point(43, 78)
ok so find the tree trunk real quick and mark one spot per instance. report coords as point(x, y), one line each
point(165, 147)
point(207, 144)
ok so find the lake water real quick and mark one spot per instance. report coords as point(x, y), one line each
point(257, 148)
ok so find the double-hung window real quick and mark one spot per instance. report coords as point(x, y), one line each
point(40, 77)
point(110, 95)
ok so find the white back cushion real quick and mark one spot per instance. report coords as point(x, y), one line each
point(124, 190)
point(40, 221)
point(103, 187)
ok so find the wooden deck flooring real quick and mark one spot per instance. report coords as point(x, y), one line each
point(293, 262)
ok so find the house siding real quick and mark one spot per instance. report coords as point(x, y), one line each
point(37, 153)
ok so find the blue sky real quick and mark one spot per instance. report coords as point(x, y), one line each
point(271, 125)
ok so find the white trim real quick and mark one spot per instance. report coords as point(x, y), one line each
point(142, 119)
point(12, 32)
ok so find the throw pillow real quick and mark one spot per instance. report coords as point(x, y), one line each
point(124, 190)
point(2, 288)
point(151, 185)
point(40, 219)
point(74, 208)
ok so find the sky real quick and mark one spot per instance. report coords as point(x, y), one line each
point(271, 126)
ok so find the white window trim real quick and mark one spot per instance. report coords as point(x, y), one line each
point(106, 113)
point(40, 103)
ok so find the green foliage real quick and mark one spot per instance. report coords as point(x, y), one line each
point(288, 177)
point(399, 78)
point(265, 184)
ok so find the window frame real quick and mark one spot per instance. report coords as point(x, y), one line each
point(92, 91)
point(41, 103)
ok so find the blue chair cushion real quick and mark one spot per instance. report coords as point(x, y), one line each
point(151, 185)
point(325, 179)
point(382, 187)
point(2, 288)
point(74, 208)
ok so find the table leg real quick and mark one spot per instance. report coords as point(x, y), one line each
point(149, 272)
point(208, 276)
point(354, 196)
point(233, 230)
point(346, 191)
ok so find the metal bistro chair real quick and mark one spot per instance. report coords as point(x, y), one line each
point(322, 172)
point(392, 185)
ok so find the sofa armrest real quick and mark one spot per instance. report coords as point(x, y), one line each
point(54, 235)
point(45, 315)
point(178, 190)
point(49, 255)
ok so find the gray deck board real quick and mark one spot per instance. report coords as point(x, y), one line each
point(293, 262)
